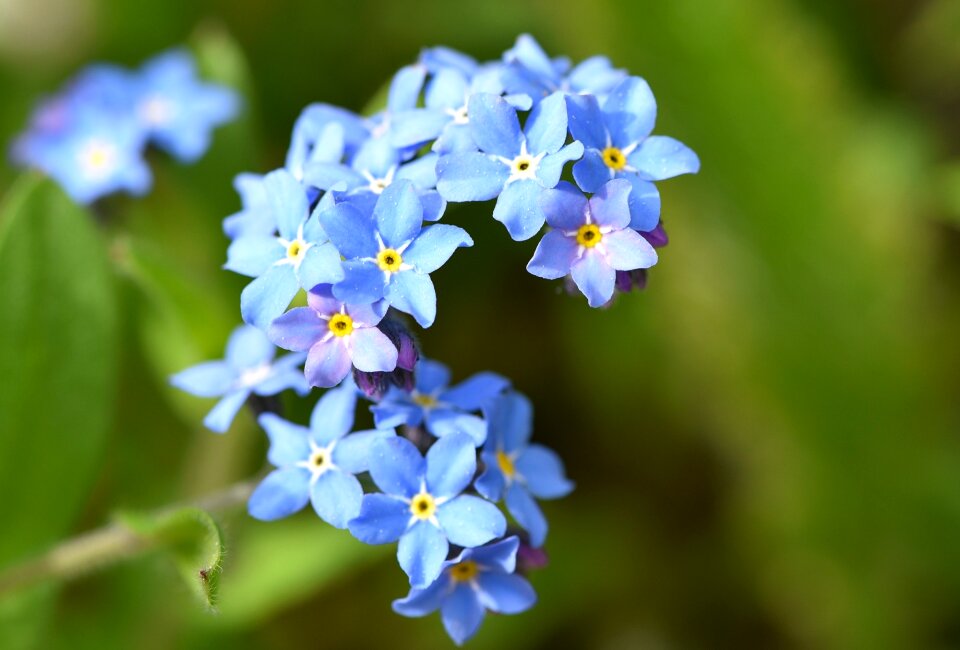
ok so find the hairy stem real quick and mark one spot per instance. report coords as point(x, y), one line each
point(105, 546)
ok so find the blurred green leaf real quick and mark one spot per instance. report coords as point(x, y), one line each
point(195, 541)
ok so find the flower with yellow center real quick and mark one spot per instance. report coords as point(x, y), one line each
point(424, 400)
point(505, 463)
point(464, 571)
point(423, 506)
point(614, 158)
point(98, 158)
point(589, 235)
point(340, 325)
point(389, 260)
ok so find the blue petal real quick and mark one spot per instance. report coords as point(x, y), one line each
point(500, 556)
point(329, 175)
point(209, 379)
point(631, 111)
point(372, 351)
point(352, 453)
point(395, 414)
point(288, 441)
point(283, 378)
point(446, 422)
point(525, 510)
point(477, 391)
point(554, 256)
point(336, 497)
point(405, 87)
point(382, 519)
point(221, 416)
point(471, 521)
point(564, 206)
point(350, 231)
point(462, 614)
point(628, 250)
point(332, 417)
point(252, 255)
point(546, 128)
point(288, 201)
point(542, 472)
point(659, 157)
point(591, 172)
point(447, 90)
point(586, 121)
point(494, 125)
point(248, 347)
point(595, 75)
point(397, 467)
point(594, 277)
point(268, 296)
point(609, 206)
point(414, 127)
point(422, 172)
point(282, 493)
point(510, 421)
point(398, 214)
point(413, 293)
point(644, 204)
point(530, 55)
point(454, 138)
point(505, 594)
point(320, 265)
point(431, 376)
point(298, 329)
point(434, 246)
point(362, 283)
point(470, 176)
point(376, 157)
point(451, 464)
point(421, 553)
point(551, 167)
point(328, 362)
point(490, 483)
point(434, 205)
point(420, 602)
point(518, 208)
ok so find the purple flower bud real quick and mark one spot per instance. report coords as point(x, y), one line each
point(656, 237)
point(530, 559)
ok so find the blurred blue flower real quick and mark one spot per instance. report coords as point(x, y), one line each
point(591, 239)
point(422, 505)
point(256, 215)
point(316, 464)
point(444, 410)
point(512, 165)
point(478, 580)
point(388, 255)
point(337, 336)
point(248, 367)
point(300, 258)
point(517, 471)
point(617, 144)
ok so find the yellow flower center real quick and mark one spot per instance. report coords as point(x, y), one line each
point(506, 464)
point(589, 235)
point(464, 571)
point(389, 260)
point(423, 506)
point(318, 458)
point(340, 324)
point(424, 401)
point(614, 158)
point(521, 164)
point(295, 249)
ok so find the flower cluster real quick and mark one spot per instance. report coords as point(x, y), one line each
point(91, 136)
point(343, 239)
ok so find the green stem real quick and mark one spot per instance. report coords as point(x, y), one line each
point(105, 546)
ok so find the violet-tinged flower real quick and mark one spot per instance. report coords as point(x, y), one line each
point(375, 384)
point(316, 464)
point(300, 258)
point(517, 471)
point(249, 368)
point(637, 279)
point(512, 165)
point(444, 409)
point(617, 144)
point(590, 239)
point(388, 255)
point(422, 505)
point(336, 336)
point(478, 580)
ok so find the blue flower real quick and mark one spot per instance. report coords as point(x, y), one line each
point(316, 464)
point(591, 239)
point(530, 71)
point(513, 165)
point(388, 255)
point(300, 258)
point(422, 505)
point(518, 471)
point(256, 216)
point(616, 136)
point(403, 94)
point(445, 410)
point(178, 111)
point(324, 133)
point(248, 368)
point(337, 336)
point(477, 580)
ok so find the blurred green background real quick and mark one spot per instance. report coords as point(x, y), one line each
point(766, 442)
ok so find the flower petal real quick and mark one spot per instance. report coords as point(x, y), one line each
point(594, 277)
point(628, 250)
point(546, 128)
point(298, 330)
point(397, 467)
point(490, 483)
point(372, 351)
point(564, 206)
point(431, 376)
point(288, 441)
point(518, 208)
point(591, 172)
point(471, 521)
point(336, 497)
point(660, 157)
point(554, 256)
point(248, 347)
point(435, 245)
point(609, 206)
point(320, 265)
point(542, 472)
point(350, 231)
point(398, 214)
point(446, 422)
point(475, 392)
point(328, 362)
point(510, 421)
point(332, 417)
point(288, 201)
point(222, 414)
point(268, 296)
point(252, 255)
point(209, 379)
point(586, 121)
point(494, 125)
point(462, 614)
point(630, 110)
point(551, 167)
point(505, 594)
point(413, 293)
point(421, 553)
point(420, 602)
point(282, 493)
point(451, 464)
point(470, 176)
point(644, 204)
point(352, 453)
point(525, 510)
point(382, 519)
point(362, 283)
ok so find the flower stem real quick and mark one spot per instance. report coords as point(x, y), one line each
point(105, 546)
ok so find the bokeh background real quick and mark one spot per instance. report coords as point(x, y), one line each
point(766, 441)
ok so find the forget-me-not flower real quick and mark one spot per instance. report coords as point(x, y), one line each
point(476, 581)
point(324, 133)
point(443, 409)
point(512, 165)
point(590, 239)
point(422, 505)
point(248, 368)
point(316, 464)
point(517, 471)
point(255, 216)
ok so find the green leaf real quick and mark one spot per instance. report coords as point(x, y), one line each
point(195, 541)
point(58, 358)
